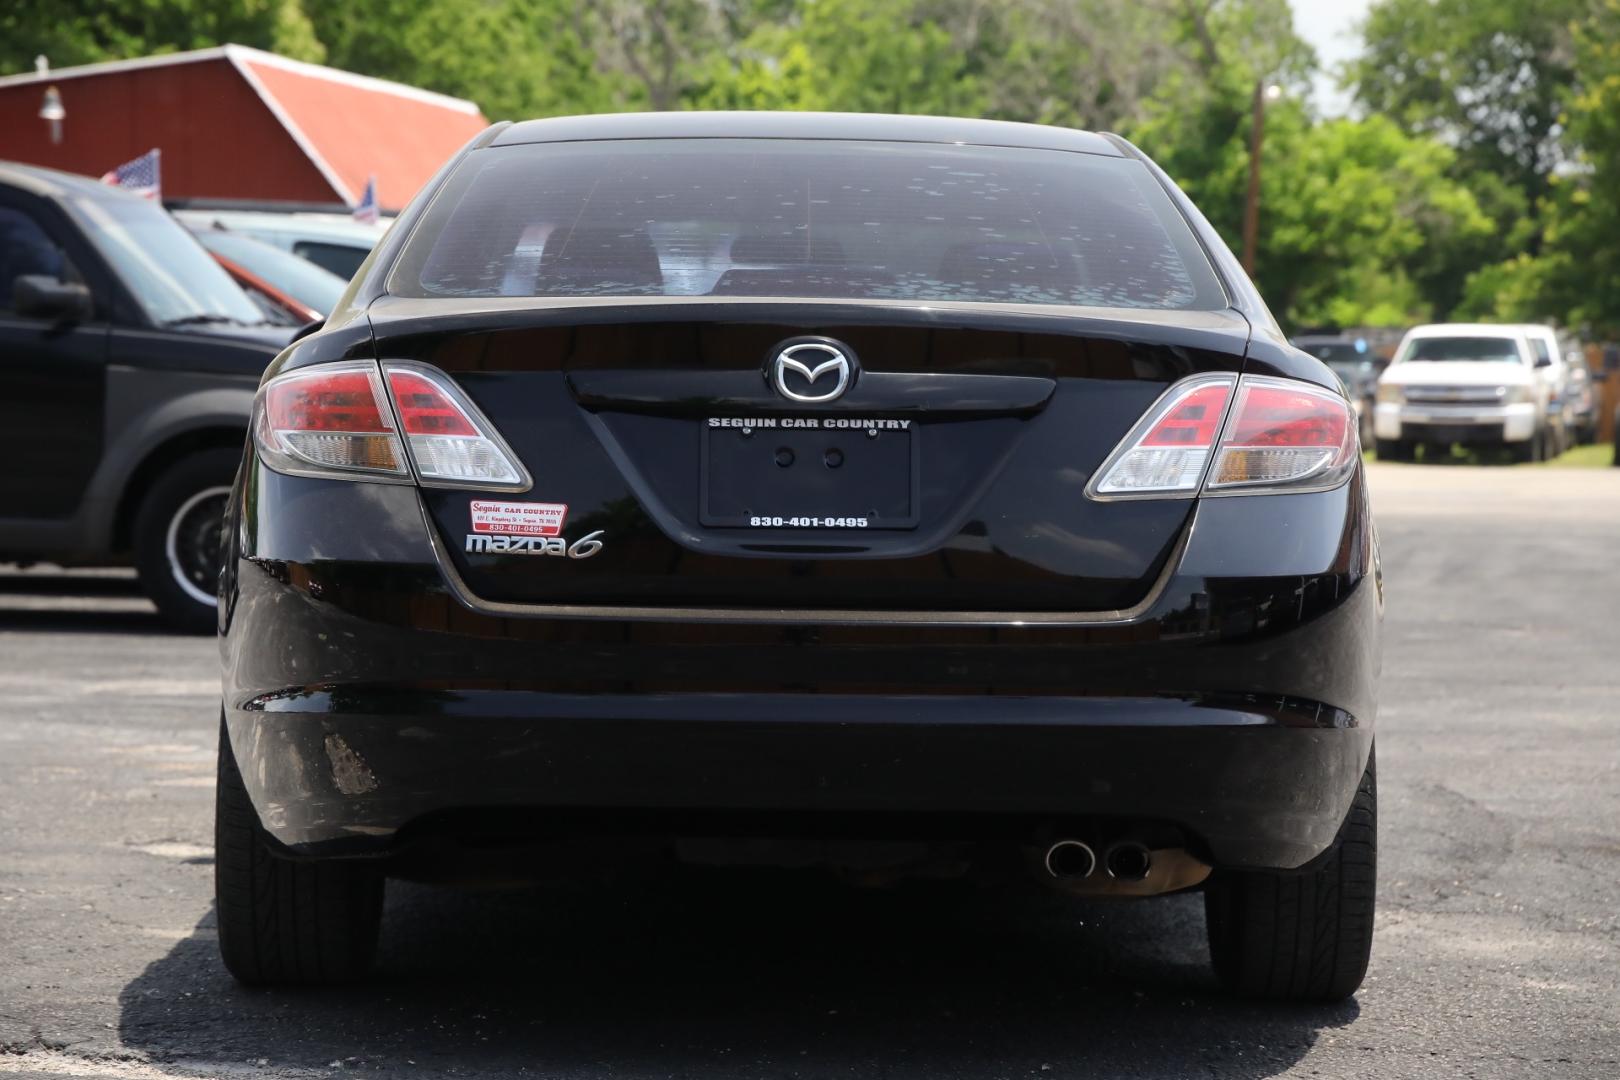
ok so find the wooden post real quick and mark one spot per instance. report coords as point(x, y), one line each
point(1251, 204)
point(1607, 385)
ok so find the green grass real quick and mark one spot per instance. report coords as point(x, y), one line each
point(1594, 456)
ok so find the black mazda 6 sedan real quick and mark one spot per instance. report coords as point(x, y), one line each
point(898, 496)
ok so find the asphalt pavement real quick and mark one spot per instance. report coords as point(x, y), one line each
point(1497, 954)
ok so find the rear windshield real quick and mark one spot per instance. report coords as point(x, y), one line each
point(788, 218)
point(1463, 348)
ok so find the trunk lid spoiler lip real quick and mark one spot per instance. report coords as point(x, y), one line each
point(888, 393)
point(1224, 330)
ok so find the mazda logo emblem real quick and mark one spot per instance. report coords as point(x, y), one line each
point(811, 371)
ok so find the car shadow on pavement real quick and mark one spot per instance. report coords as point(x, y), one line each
point(88, 602)
point(82, 621)
point(68, 583)
point(722, 973)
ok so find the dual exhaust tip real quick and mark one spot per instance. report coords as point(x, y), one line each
point(1074, 860)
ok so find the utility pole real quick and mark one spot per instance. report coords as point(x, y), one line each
point(1251, 205)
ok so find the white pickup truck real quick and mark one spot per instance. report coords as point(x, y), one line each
point(1471, 383)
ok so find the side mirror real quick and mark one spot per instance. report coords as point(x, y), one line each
point(44, 297)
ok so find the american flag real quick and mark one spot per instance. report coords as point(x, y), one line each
point(365, 211)
point(139, 177)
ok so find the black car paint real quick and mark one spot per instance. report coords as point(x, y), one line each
point(375, 685)
point(553, 381)
point(93, 408)
point(344, 637)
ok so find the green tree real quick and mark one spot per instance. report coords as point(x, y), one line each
point(72, 32)
point(516, 58)
point(774, 70)
point(1488, 76)
point(1577, 276)
point(1352, 212)
point(848, 55)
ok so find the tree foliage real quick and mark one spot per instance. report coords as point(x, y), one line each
point(1577, 276)
point(1488, 76)
point(891, 56)
point(1480, 177)
point(86, 31)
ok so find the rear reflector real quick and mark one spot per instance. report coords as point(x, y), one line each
point(1282, 435)
point(337, 420)
point(451, 443)
point(328, 420)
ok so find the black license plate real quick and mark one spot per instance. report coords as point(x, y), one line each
point(809, 478)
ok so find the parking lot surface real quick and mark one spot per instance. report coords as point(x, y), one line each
point(1498, 951)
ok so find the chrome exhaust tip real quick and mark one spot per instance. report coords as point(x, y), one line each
point(1068, 860)
point(1128, 861)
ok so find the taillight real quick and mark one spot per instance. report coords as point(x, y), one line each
point(451, 443)
point(1284, 435)
point(1166, 453)
point(337, 420)
point(331, 420)
point(1227, 436)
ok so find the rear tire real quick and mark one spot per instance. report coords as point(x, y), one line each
point(281, 921)
point(1532, 450)
point(176, 539)
point(1301, 936)
point(1393, 450)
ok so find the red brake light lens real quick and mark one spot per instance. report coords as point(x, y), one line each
point(1285, 416)
point(328, 420)
point(325, 401)
point(1194, 420)
point(451, 443)
point(425, 409)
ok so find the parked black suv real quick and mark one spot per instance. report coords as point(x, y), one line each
point(128, 361)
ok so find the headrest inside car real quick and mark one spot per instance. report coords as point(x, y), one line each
point(617, 255)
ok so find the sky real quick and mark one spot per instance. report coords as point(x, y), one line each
point(1329, 25)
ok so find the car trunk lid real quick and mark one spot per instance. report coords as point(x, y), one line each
point(670, 471)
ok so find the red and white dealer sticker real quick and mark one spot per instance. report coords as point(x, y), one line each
point(518, 518)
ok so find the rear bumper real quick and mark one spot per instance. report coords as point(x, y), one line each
point(363, 697)
point(1256, 783)
point(1484, 424)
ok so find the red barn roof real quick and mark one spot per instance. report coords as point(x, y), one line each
point(239, 123)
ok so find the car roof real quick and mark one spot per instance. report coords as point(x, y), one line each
point(332, 228)
point(53, 183)
point(1534, 328)
point(805, 125)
